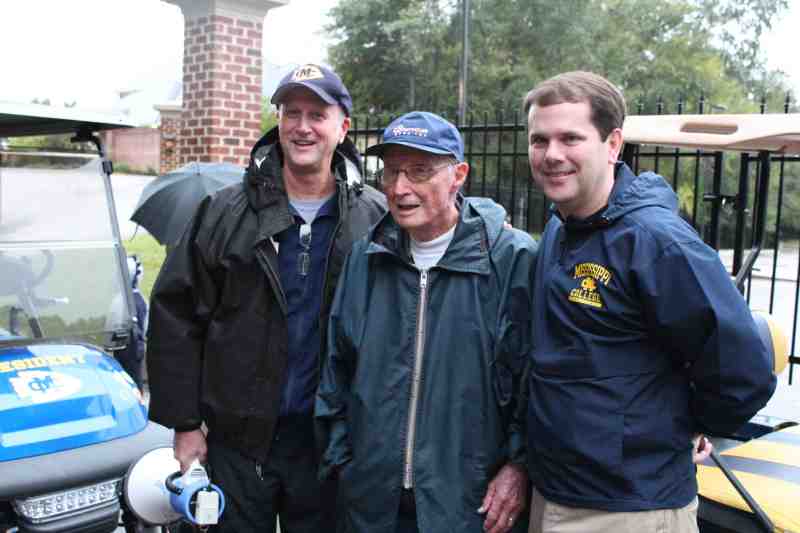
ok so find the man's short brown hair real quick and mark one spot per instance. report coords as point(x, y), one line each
point(606, 104)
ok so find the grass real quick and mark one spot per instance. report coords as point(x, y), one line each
point(151, 254)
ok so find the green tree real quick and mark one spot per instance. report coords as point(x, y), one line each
point(737, 27)
point(395, 55)
point(269, 119)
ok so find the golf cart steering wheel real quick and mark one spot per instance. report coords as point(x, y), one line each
point(18, 274)
point(46, 270)
point(20, 279)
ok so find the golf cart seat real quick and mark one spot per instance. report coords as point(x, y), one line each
point(764, 460)
point(769, 466)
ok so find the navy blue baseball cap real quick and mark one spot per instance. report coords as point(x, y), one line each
point(324, 82)
point(421, 131)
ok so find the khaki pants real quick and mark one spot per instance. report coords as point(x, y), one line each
point(549, 517)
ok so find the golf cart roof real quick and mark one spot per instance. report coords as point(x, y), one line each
point(17, 120)
point(747, 133)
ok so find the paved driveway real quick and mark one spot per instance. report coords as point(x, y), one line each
point(39, 203)
point(127, 188)
point(785, 404)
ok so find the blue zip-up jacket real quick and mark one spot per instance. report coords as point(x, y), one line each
point(640, 341)
point(464, 325)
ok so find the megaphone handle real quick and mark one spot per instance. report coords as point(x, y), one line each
point(170, 483)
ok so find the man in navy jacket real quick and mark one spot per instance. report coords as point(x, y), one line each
point(640, 338)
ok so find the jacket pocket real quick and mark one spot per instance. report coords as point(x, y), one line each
point(511, 354)
point(577, 421)
point(344, 486)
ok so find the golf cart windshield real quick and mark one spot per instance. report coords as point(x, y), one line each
point(60, 270)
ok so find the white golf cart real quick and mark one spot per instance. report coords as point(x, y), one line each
point(71, 420)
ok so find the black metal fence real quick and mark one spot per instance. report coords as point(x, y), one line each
point(718, 195)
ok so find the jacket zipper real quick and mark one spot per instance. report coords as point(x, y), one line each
point(343, 211)
point(326, 281)
point(274, 279)
point(408, 471)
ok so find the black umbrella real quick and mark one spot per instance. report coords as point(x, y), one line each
point(168, 202)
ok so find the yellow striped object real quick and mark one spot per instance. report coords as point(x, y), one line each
point(769, 468)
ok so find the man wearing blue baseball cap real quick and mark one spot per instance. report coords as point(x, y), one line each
point(239, 311)
point(427, 342)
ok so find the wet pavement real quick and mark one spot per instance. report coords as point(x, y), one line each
point(127, 189)
point(70, 198)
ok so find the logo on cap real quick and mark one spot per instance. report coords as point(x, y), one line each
point(415, 132)
point(307, 72)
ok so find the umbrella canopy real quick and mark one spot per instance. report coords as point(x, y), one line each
point(168, 202)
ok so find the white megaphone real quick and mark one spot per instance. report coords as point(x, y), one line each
point(157, 493)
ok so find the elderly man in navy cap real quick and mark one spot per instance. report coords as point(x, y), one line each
point(239, 311)
point(427, 343)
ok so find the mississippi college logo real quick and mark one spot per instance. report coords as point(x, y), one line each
point(307, 72)
point(589, 274)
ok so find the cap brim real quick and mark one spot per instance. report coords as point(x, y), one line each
point(281, 92)
point(378, 149)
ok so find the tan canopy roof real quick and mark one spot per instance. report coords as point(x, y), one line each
point(748, 133)
point(35, 119)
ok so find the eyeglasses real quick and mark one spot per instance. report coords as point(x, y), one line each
point(304, 258)
point(415, 173)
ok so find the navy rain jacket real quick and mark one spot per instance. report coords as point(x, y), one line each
point(640, 340)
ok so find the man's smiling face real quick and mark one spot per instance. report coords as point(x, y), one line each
point(569, 161)
point(309, 131)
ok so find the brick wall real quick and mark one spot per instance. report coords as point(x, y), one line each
point(170, 131)
point(221, 89)
point(136, 148)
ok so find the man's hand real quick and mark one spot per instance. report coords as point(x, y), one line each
point(504, 499)
point(188, 446)
point(701, 448)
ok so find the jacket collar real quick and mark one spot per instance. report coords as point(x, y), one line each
point(266, 192)
point(630, 192)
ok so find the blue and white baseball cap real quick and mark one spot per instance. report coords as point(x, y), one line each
point(424, 131)
point(324, 82)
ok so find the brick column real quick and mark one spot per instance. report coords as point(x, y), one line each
point(168, 141)
point(222, 64)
